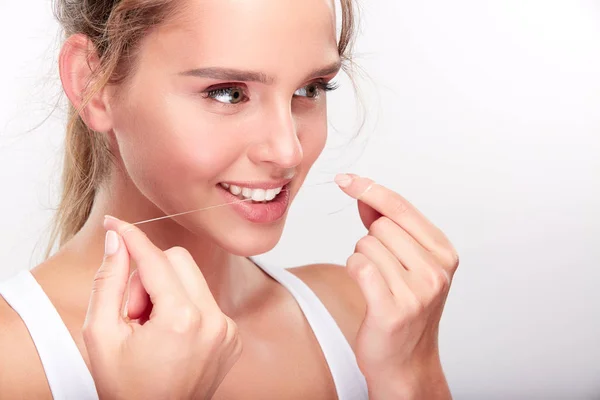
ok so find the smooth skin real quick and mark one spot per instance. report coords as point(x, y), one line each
point(175, 139)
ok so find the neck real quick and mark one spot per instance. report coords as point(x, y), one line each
point(232, 279)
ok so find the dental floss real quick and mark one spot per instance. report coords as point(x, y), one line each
point(222, 205)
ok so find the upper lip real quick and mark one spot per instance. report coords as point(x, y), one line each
point(260, 184)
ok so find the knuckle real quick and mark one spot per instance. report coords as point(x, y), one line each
point(453, 259)
point(353, 263)
point(399, 207)
point(439, 280)
point(186, 321)
point(352, 260)
point(365, 243)
point(448, 258)
point(358, 265)
point(380, 226)
point(178, 252)
point(392, 323)
point(104, 274)
point(446, 253)
point(414, 307)
point(217, 328)
point(91, 331)
point(360, 245)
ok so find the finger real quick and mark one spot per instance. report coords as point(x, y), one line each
point(410, 253)
point(110, 282)
point(396, 208)
point(367, 214)
point(390, 268)
point(401, 245)
point(379, 298)
point(191, 278)
point(138, 305)
point(156, 274)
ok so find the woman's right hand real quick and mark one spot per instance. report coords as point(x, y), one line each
point(175, 343)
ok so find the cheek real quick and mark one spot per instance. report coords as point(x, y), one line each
point(166, 144)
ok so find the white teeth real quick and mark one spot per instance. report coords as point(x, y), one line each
point(270, 194)
point(254, 194)
point(258, 194)
point(235, 190)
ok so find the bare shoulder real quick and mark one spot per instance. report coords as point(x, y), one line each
point(338, 292)
point(21, 373)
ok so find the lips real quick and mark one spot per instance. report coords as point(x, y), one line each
point(258, 212)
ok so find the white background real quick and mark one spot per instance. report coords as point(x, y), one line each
point(485, 114)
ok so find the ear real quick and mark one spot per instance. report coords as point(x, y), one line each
point(77, 61)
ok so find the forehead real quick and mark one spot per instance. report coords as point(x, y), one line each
point(248, 33)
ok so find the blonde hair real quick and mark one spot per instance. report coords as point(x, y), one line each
point(115, 28)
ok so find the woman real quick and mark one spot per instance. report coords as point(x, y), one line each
point(180, 105)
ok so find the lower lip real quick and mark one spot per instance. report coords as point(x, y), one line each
point(260, 213)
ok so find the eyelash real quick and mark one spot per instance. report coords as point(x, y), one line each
point(213, 93)
point(324, 86)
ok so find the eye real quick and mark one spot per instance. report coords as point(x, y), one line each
point(313, 90)
point(310, 91)
point(227, 95)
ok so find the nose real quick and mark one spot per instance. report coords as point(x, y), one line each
point(279, 143)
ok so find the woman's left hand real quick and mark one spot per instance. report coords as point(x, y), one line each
point(404, 267)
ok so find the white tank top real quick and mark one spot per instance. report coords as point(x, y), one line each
point(69, 377)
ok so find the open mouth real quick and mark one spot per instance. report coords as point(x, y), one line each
point(258, 202)
point(255, 195)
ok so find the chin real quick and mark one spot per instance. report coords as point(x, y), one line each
point(253, 240)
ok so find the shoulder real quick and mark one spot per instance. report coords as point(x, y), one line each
point(21, 373)
point(338, 292)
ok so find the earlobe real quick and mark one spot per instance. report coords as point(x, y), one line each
point(77, 61)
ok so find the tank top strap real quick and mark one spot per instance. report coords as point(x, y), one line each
point(66, 371)
point(349, 381)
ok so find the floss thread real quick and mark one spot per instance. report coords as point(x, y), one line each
point(223, 205)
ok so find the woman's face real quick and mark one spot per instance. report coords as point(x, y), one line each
point(229, 97)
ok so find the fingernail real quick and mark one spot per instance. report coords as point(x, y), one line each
point(126, 308)
point(107, 219)
point(343, 180)
point(111, 243)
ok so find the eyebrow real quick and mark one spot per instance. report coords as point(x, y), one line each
point(230, 74)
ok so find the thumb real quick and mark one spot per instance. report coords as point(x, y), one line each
point(109, 284)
